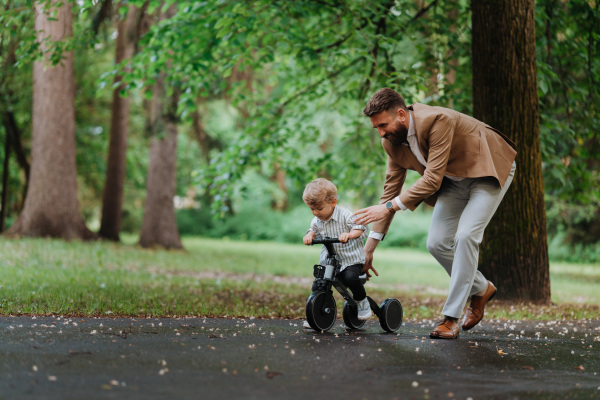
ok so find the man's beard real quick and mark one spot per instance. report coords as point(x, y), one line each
point(397, 137)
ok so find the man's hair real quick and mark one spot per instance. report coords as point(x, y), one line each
point(384, 99)
point(318, 192)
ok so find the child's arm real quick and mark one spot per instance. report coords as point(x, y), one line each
point(309, 237)
point(353, 234)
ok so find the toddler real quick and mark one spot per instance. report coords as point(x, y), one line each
point(332, 220)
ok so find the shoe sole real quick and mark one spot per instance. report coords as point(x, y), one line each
point(442, 337)
point(490, 299)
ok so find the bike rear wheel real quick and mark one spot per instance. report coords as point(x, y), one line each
point(390, 315)
point(321, 311)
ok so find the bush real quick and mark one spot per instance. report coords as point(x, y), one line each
point(253, 222)
point(197, 222)
point(249, 223)
point(560, 250)
point(409, 229)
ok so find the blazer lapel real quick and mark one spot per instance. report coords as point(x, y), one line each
point(421, 139)
point(409, 160)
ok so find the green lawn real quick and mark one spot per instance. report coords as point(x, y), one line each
point(232, 278)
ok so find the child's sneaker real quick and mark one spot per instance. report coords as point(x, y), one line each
point(364, 309)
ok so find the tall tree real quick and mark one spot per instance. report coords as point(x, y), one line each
point(515, 250)
point(15, 74)
point(51, 207)
point(115, 171)
point(159, 226)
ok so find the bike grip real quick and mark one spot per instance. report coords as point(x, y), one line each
point(326, 240)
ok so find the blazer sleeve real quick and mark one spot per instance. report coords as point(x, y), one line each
point(439, 139)
point(395, 176)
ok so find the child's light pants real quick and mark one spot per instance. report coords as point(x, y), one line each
point(461, 214)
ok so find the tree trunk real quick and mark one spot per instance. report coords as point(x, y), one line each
point(14, 134)
point(514, 253)
point(5, 174)
point(115, 172)
point(159, 226)
point(202, 136)
point(12, 130)
point(51, 207)
point(280, 203)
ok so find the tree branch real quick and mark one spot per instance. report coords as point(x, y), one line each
point(308, 88)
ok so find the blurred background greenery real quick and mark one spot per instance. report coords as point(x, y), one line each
point(227, 182)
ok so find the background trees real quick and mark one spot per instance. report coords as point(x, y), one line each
point(264, 90)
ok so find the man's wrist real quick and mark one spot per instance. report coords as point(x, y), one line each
point(371, 245)
point(390, 207)
point(400, 205)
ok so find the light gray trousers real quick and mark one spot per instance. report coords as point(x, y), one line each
point(461, 214)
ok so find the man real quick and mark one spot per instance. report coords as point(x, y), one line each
point(466, 167)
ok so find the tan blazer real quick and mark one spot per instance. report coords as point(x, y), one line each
point(452, 144)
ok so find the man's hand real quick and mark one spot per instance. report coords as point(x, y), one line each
point(370, 214)
point(369, 265)
point(370, 246)
point(309, 238)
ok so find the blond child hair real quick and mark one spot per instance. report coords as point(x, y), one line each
point(318, 192)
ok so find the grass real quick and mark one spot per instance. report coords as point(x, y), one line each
point(233, 278)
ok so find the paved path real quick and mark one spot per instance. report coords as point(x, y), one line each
point(61, 358)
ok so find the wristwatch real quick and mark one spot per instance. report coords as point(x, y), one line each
point(390, 206)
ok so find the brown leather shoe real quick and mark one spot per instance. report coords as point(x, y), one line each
point(474, 312)
point(446, 329)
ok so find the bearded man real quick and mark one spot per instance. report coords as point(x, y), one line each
point(466, 167)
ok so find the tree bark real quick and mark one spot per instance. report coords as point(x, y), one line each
point(514, 253)
point(13, 142)
point(279, 203)
point(14, 133)
point(51, 207)
point(112, 203)
point(5, 174)
point(159, 226)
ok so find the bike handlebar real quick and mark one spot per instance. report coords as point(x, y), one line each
point(326, 240)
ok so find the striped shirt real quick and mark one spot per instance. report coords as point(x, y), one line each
point(341, 221)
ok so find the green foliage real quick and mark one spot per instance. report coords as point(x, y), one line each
point(17, 52)
point(195, 221)
point(299, 74)
point(569, 89)
point(281, 87)
point(562, 249)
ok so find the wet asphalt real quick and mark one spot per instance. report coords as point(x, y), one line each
point(197, 358)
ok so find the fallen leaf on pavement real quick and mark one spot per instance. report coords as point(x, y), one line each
point(273, 374)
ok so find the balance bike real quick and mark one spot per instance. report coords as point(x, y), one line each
point(321, 310)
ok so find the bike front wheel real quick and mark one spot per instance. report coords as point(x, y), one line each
point(321, 311)
point(350, 314)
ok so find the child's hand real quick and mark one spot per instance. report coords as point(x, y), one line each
point(344, 237)
point(309, 238)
